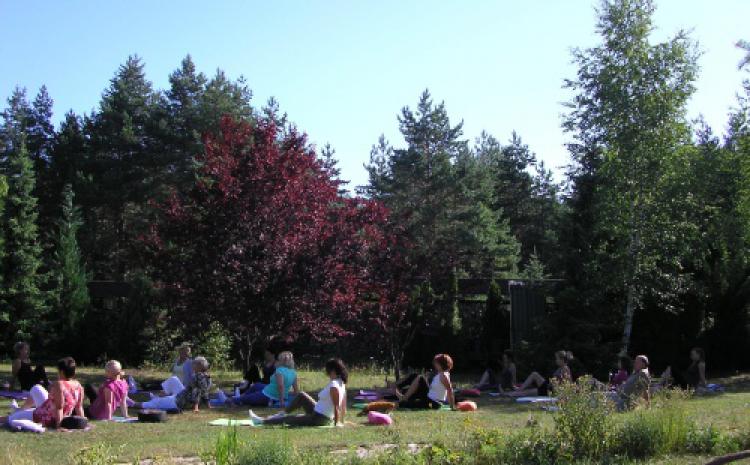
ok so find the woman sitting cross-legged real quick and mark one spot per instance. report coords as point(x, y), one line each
point(65, 398)
point(538, 385)
point(329, 409)
point(183, 397)
point(21, 369)
point(111, 396)
point(282, 382)
point(423, 395)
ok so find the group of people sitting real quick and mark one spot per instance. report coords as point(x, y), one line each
point(49, 404)
point(631, 381)
point(190, 386)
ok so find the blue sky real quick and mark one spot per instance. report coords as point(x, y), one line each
point(343, 69)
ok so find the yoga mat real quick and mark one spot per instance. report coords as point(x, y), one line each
point(536, 400)
point(366, 397)
point(124, 420)
point(231, 422)
point(17, 395)
point(363, 392)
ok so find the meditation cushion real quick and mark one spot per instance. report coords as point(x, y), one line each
point(467, 406)
point(377, 418)
point(379, 406)
point(74, 422)
point(152, 416)
point(470, 393)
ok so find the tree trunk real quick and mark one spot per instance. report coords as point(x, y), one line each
point(632, 297)
point(729, 458)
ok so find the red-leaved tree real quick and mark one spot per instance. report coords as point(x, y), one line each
point(264, 242)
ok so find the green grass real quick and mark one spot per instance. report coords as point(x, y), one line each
point(189, 434)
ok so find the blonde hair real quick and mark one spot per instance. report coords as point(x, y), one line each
point(286, 359)
point(114, 366)
point(201, 362)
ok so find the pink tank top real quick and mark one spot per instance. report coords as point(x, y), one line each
point(119, 388)
point(72, 394)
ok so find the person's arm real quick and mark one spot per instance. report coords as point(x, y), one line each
point(280, 389)
point(702, 374)
point(295, 386)
point(124, 406)
point(55, 394)
point(336, 401)
point(108, 404)
point(447, 383)
point(15, 368)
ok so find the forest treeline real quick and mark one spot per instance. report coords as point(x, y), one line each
point(232, 228)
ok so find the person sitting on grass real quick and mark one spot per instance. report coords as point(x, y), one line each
point(433, 395)
point(635, 387)
point(282, 382)
point(330, 409)
point(538, 385)
point(111, 395)
point(182, 397)
point(500, 376)
point(257, 380)
point(21, 369)
point(624, 367)
point(65, 398)
point(182, 367)
point(692, 378)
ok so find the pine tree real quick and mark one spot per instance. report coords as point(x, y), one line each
point(23, 301)
point(71, 293)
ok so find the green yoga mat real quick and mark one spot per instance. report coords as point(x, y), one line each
point(362, 405)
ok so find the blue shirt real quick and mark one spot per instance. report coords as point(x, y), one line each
point(272, 390)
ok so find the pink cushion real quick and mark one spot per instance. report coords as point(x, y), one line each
point(377, 418)
point(467, 406)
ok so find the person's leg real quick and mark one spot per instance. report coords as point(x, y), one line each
point(484, 381)
point(172, 386)
point(310, 419)
point(38, 395)
point(304, 401)
point(417, 387)
point(256, 387)
point(26, 414)
point(255, 399)
point(415, 403)
point(160, 403)
point(90, 392)
point(534, 380)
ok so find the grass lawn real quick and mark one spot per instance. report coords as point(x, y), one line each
point(189, 434)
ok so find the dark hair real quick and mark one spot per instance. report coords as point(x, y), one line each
point(626, 363)
point(445, 361)
point(337, 366)
point(510, 355)
point(67, 367)
point(19, 346)
point(701, 354)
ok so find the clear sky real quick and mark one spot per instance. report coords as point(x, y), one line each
point(343, 69)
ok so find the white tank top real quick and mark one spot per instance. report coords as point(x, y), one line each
point(438, 392)
point(325, 403)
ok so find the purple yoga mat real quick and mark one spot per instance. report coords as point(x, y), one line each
point(17, 395)
point(366, 397)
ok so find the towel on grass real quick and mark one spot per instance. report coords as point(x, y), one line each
point(536, 400)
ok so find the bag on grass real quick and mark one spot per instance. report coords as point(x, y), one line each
point(380, 419)
point(152, 416)
point(467, 406)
